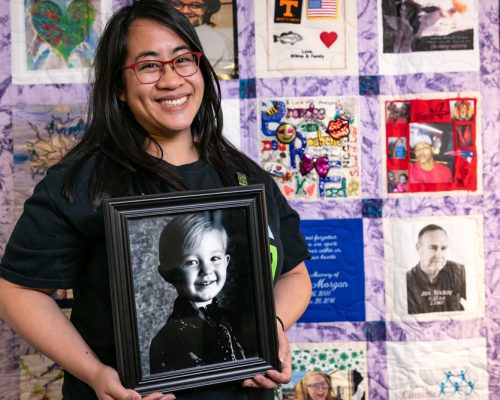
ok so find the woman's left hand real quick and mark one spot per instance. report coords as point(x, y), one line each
point(274, 378)
point(292, 294)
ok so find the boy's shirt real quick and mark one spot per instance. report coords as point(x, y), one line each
point(192, 337)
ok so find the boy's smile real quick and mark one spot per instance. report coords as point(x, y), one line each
point(202, 272)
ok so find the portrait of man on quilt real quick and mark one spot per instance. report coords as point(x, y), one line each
point(436, 283)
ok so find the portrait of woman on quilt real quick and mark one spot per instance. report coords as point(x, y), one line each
point(155, 126)
point(315, 385)
point(217, 41)
point(334, 385)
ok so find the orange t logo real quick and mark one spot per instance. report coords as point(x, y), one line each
point(289, 4)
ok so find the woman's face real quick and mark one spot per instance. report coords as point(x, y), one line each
point(317, 387)
point(194, 10)
point(168, 107)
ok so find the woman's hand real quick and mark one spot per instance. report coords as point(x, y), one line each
point(107, 386)
point(274, 378)
point(292, 294)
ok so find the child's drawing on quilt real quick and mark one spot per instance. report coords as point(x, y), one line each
point(61, 34)
point(311, 146)
point(43, 134)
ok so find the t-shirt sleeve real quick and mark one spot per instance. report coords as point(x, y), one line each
point(293, 242)
point(45, 250)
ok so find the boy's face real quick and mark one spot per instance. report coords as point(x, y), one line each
point(202, 270)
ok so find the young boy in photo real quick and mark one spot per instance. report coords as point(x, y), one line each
point(193, 258)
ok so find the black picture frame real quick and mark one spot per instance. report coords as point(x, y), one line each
point(132, 227)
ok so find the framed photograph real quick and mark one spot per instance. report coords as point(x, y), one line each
point(191, 288)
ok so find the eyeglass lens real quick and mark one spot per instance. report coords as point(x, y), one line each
point(193, 6)
point(150, 71)
point(319, 385)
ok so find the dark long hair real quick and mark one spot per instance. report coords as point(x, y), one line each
point(116, 143)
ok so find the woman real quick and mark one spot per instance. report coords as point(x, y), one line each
point(216, 44)
point(155, 126)
point(314, 386)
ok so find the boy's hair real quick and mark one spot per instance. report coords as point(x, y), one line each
point(186, 231)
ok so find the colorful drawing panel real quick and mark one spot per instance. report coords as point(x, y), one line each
point(311, 146)
point(43, 134)
point(55, 40)
point(336, 270)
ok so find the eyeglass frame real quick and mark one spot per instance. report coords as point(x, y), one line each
point(318, 385)
point(189, 6)
point(170, 62)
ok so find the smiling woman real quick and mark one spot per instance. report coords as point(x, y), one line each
point(315, 385)
point(166, 107)
point(145, 136)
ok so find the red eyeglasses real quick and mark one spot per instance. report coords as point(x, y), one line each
point(151, 71)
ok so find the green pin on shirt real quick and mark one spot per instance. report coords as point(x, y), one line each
point(242, 179)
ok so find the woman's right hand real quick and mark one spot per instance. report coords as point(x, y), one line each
point(36, 317)
point(107, 386)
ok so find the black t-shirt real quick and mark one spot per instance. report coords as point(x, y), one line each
point(61, 244)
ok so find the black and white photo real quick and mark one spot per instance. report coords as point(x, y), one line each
point(436, 283)
point(194, 287)
point(434, 267)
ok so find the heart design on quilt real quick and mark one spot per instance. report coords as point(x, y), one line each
point(63, 31)
point(310, 190)
point(328, 38)
point(288, 190)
